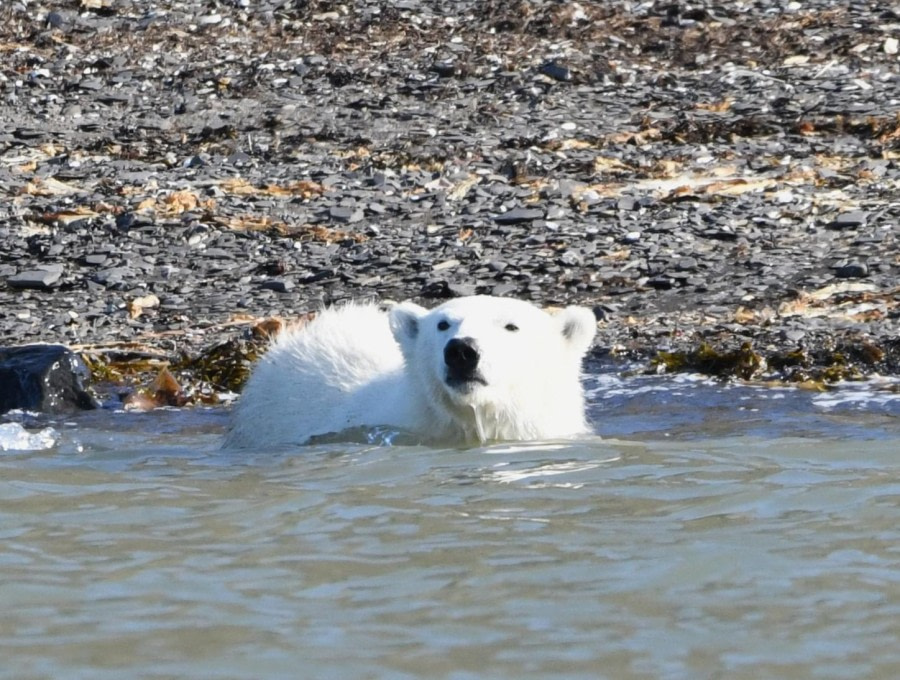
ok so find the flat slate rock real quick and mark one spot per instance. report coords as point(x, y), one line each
point(849, 220)
point(345, 214)
point(517, 215)
point(43, 278)
point(44, 378)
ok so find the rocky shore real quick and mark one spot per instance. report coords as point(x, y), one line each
point(719, 181)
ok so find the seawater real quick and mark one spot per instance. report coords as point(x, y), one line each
point(713, 530)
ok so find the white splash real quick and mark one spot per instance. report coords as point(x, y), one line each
point(14, 437)
point(536, 474)
point(877, 393)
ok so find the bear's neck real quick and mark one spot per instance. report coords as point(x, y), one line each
point(476, 424)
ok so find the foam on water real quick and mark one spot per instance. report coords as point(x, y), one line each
point(876, 394)
point(14, 437)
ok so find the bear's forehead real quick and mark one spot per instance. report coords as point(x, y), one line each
point(488, 308)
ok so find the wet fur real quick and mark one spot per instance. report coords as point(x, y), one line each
point(357, 366)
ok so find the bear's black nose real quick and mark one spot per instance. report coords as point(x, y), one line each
point(461, 357)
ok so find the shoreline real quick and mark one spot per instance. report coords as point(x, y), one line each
point(705, 180)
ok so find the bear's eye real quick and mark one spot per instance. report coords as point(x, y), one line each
point(511, 327)
point(443, 325)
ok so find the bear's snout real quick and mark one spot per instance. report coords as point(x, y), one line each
point(461, 356)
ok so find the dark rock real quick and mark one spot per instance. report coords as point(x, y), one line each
point(239, 158)
point(45, 378)
point(43, 278)
point(849, 220)
point(278, 285)
point(111, 276)
point(627, 203)
point(346, 214)
point(719, 235)
point(517, 215)
point(555, 71)
point(443, 68)
point(443, 289)
point(95, 259)
point(794, 335)
point(660, 282)
point(504, 289)
point(91, 84)
point(131, 220)
point(30, 133)
point(497, 265)
point(218, 253)
point(461, 289)
point(570, 258)
point(852, 270)
point(603, 312)
point(56, 20)
point(568, 187)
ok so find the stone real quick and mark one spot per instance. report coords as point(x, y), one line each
point(556, 71)
point(627, 203)
point(278, 285)
point(660, 282)
point(346, 214)
point(852, 270)
point(849, 220)
point(43, 278)
point(44, 378)
point(517, 215)
point(461, 289)
point(504, 289)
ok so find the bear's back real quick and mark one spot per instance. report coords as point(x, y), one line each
point(303, 385)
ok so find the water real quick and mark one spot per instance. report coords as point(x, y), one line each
point(715, 531)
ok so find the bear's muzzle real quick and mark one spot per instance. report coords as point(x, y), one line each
point(461, 356)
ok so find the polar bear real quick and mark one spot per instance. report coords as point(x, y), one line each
point(472, 370)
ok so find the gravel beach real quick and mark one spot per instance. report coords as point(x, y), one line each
point(707, 177)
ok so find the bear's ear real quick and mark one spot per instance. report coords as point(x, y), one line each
point(404, 320)
point(578, 328)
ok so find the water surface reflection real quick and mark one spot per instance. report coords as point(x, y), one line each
point(714, 531)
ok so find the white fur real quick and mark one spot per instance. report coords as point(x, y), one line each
point(356, 366)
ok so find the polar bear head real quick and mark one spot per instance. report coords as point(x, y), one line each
point(496, 368)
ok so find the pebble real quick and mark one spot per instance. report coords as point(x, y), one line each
point(793, 335)
point(556, 71)
point(849, 220)
point(853, 270)
point(346, 214)
point(461, 289)
point(517, 215)
point(446, 264)
point(504, 289)
point(43, 278)
point(278, 285)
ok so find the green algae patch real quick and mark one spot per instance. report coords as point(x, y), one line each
point(143, 377)
point(224, 367)
point(744, 362)
point(851, 359)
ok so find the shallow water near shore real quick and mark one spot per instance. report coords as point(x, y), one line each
point(714, 531)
